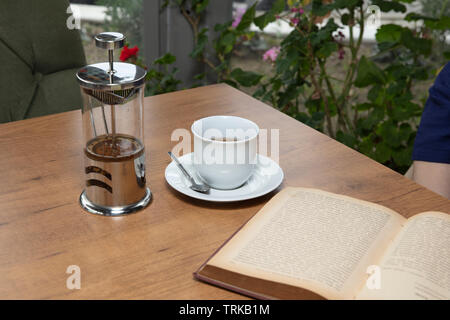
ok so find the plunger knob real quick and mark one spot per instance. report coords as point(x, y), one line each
point(110, 41)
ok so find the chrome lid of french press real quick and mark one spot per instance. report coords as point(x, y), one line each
point(111, 75)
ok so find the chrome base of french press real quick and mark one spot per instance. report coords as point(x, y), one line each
point(91, 207)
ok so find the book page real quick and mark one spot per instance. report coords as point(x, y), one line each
point(312, 239)
point(417, 264)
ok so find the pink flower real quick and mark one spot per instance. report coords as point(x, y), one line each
point(238, 17)
point(299, 10)
point(271, 54)
point(295, 21)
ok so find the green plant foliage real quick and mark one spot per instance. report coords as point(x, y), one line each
point(389, 5)
point(368, 73)
point(216, 53)
point(161, 79)
point(199, 5)
point(270, 16)
point(383, 126)
point(201, 43)
point(247, 19)
point(245, 78)
point(435, 14)
point(371, 107)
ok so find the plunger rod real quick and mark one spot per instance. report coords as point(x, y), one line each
point(92, 122)
point(104, 120)
point(111, 61)
point(113, 111)
point(113, 123)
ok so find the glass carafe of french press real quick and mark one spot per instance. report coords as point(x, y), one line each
point(112, 115)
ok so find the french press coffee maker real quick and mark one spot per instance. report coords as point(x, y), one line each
point(112, 115)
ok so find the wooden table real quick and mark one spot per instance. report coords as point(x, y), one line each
point(152, 254)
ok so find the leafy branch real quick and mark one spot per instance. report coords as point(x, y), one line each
point(217, 57)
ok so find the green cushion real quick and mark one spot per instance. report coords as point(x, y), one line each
point(40, 56)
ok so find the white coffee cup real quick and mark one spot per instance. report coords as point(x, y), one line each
point(225, 150)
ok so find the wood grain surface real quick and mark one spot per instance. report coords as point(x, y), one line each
point(152, 254)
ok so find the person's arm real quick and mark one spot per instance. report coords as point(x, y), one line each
point(434, 176)
point(431, 152)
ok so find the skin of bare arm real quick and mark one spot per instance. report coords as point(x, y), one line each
point(434, 176)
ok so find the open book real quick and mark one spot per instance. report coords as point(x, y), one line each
point(311, 244)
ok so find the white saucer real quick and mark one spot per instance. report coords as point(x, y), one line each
point(267, 177)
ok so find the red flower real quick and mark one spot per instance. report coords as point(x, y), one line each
point(127, 53)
